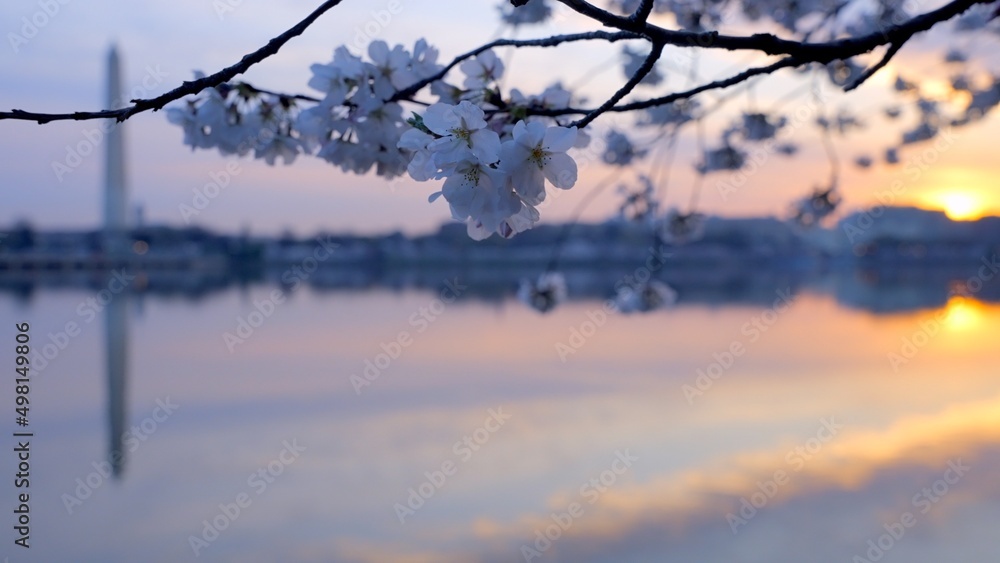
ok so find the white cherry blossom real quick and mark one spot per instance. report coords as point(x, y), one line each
point(477, 194)
point(482, 70)
point(537, 153)
point(392, 69)
point(544, 293)
point(421, 167)
point(463, 133)
point(533, 12)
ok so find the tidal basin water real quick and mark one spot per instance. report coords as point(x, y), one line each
point(378, 425)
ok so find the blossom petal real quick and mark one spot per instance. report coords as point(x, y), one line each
point(529, 135)
point(378, 51)
point(414, 140)
point(560, 170)
point(477, 231)
point(486, 146)
point(529, 183)
point(559, 139)
point(471, 115)
point(441, 118)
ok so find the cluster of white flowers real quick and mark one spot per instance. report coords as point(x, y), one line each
point(676, 113)
point(789, 14)
point(863, 161)
point(812, 209)
point(494, 166)
point(619, 150)
point(357, 125)
point(495, 156)
point(725, 157)
point(877, 17)
point(760, 126)
point(236, 119)
point(633, 61)
point(679, 227)
point(491, 183)
point(533, 12)
point(639, 205)
point(544, 293)
point(645, 297)
point(982, 101)
point(494, 169)
point(975, 18)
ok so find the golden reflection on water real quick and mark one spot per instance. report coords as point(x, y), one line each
point(819, 366)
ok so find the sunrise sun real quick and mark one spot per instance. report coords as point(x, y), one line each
point(958, 206)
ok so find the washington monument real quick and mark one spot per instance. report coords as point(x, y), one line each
point(115, 195)
point(116, 243)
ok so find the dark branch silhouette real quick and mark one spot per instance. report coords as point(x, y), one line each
point(186, 88)
point(637, 77)
point(636, 26)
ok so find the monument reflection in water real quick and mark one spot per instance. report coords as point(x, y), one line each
point(116, 360)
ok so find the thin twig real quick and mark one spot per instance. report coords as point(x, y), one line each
point(553, 41)
point(642, 12)
point(796, 53)
point(825, 137)
point(653, 102)
point(186, 88)
point(869, 72)
point(771, 44)
point(637, 77)
point(575, 217)
point(257, 90)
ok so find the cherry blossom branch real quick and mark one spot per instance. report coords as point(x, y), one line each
point(251, 88)
point(636, 27)
point(642, 12)
point(773, 45)
point(636, 78)
point(895, 36)
point(663, 100)
point(733, 80)
point(552, 41)
point(186, 88)
point(869, 72)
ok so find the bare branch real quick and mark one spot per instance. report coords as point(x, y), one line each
point(670, 98)
point(642, 12)
point(607, 18)
point(895, 36)
point(773, 45)
point(640, 74)
point(633, 27)
point(187, 87)
point(786, 62)
point(553, 41)
point(868, 73)
point(251, 88)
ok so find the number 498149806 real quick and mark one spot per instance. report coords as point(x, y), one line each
point(21, 366)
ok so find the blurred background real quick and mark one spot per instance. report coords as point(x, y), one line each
point(319, 367)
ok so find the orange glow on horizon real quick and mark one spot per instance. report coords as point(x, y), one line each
point(957, 205)
point(963, 314)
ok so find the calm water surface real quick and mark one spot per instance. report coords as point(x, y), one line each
point(478, 442)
